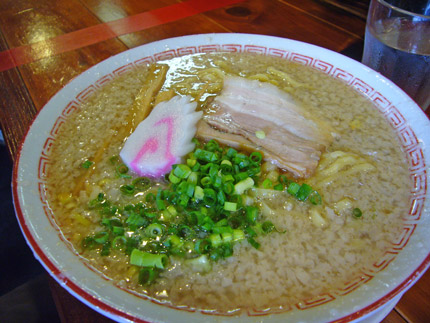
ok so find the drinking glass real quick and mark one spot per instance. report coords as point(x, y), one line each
point(397, 45)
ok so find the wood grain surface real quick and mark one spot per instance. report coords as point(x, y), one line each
point(24, 90)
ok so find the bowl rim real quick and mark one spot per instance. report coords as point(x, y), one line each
point(115, 313)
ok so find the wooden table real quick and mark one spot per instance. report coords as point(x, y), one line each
point(51, 42)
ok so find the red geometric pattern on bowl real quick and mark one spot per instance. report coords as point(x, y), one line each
point(323, 66)
point(419, 183)
point(383, 263)
point(315, 301)
point(301, 59)
point(382, 104)
point(362, 86)
point(354, 284)
point(44, 164)
point(415, 154)
point(380, 101)
point(187, 50)
point(255, 49)
point(232, 48)
point(73, 105)
point(416, 209)
point(278, 53)
point(403, 238)
point(122, 70)
point(395, 118)
point(49, 143)
point(59, 123)
point(85, 93)
point(144, 61)
point(274, 310)
point(408, 138)
point(168, 54)
point(104, 80)
point(209, 48)
point(343, 75)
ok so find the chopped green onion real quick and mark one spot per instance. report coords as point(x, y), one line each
point(190, 189)
point(101, 237)
point(256, 157)
point(238, 235)
point(213, 170)
point(230, 206)
point(228, 188)
point(267, 183)
point(191, 162)
point(315, 198)
point(278, 187)
point(356, 212)
point(154, 230)
point(212, 145)
point(136, 220)
point(215, 239)
point(118, 231)
point(114, 160)
point(182, 171)
point(198, 193)
point(186, 231)
point(205, 155)
point(260, 134)
point(150, 197)
point(87, 164)
point(88, 243)
point(303, 192)
point(147, 276)
point(253, 243)
point(231, 152)
point(175, 241)
point(227, 178)
point(241, 176)
point(196, 142)
point(227, 250)
point(161, 205)
point(284, 180)
point(202, 246)
point(105, 250)
point(243, 185)
point(127, 189)
point(222, 223)
point(141, 183)
point(221, 198)
point(171, 209)
point(193, 178)
point(227, 237)
point(226, 167)
point(251, 214)
point(293, 188)
point(122, 171)
point(222, 229)
point(119, 242)
point(209, 197)
point(267, 227)
point(146, 259)
point(206, 181)
point(217, 181)
point(173, 179)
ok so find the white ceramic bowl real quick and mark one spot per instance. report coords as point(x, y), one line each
point(369, 297)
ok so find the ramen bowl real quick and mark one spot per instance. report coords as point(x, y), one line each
point(367, 297)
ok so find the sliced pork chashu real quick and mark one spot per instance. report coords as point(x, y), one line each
point(293, 139)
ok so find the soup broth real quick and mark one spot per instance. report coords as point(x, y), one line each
point(362, 179)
